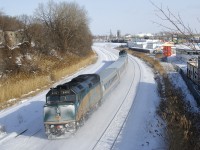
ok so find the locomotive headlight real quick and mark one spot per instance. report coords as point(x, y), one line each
point(59, 126)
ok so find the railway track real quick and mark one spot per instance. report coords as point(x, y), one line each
point(103, 136)
point(106, 54)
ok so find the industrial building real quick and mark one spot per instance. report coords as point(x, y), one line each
point(193, 70)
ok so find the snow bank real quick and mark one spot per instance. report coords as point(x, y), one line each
point(179, 83)
point(2, 131)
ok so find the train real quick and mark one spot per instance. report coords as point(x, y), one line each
point(67, 105)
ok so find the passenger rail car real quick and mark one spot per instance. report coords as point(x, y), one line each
point(67, 104)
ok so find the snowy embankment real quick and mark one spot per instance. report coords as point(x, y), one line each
point(126, 120)
point(177, 80)
point(143, 128)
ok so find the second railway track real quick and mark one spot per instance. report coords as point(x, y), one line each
point(109, 137)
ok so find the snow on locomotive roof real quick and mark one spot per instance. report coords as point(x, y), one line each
point(76, 85)
point(85, 81)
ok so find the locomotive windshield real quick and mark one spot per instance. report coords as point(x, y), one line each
point(60, 99)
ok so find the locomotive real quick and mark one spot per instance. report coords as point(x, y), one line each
point(68, 104)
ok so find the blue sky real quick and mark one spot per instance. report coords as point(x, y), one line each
point(129, 16)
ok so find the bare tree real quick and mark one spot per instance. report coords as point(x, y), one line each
point(26, 27)
point(66, 24)
point(8, 23)
point(176, 25)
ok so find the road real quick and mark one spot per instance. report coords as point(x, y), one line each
point(117, 124)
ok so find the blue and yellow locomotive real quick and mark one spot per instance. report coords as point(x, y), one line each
point(68, 104)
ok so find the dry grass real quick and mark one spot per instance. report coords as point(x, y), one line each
point(51, 70)
point(154, 63)
point(10, 92)
point(182, 124)
point(58, 73)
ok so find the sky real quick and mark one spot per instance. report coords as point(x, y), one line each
point(130, 16)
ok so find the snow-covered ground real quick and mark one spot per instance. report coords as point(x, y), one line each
point(177, 80)
point(126, 120)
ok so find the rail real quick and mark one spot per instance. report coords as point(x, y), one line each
point(118, 111)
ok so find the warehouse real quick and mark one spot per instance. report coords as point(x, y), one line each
point(193, 70)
